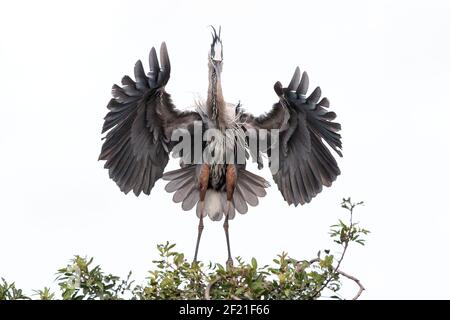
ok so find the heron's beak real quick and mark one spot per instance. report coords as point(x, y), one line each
point(216, 53)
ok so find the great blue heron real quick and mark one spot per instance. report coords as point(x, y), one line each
point(142, 120)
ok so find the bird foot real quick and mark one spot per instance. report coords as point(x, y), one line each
point(229, 263)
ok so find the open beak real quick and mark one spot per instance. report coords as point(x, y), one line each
point(216, 53)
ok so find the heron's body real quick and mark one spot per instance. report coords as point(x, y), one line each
point(142, 122)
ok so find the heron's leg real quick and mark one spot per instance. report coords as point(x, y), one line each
point(225, 227)
point(203, 179)
point(200, 230)
point(230, 186)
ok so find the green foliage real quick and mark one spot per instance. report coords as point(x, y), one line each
point(173, 277)
point(78, 281)
point(343, 233)
point(44, 294)
point(8, 291)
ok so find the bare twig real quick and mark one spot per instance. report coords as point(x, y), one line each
point(208, 288)
point(345, 245)
point(299, 267)
point(361, 287)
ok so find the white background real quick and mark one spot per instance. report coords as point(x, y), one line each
point(383, 65)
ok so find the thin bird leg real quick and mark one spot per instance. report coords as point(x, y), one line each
point(203, 179)
point(200, 229)
point(225, 227)
point(230, 186)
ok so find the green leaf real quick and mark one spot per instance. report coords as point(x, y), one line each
point(254, 263)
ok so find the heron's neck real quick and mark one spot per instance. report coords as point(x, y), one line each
point(215, 99)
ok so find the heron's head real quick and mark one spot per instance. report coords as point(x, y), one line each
point(216, 52)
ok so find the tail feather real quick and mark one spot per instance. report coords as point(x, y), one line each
point(176, 184)
point(190, 201)
point(247, 194)
point(249, 187)
point(183, 182)
point(254, 188)
point(255, 178)
point(181, 194)
point(239, 201)
point(179, 173)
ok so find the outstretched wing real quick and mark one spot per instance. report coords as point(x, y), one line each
point(305, 162)
point(139, 123)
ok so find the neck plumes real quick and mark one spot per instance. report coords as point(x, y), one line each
point(215, 101)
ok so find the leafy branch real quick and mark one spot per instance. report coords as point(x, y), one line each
point(343, 234)
point(173, 277)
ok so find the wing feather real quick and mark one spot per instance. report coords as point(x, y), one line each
point(305, 162)
point(139, 125)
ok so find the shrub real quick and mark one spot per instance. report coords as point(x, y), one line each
point(173, 277)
